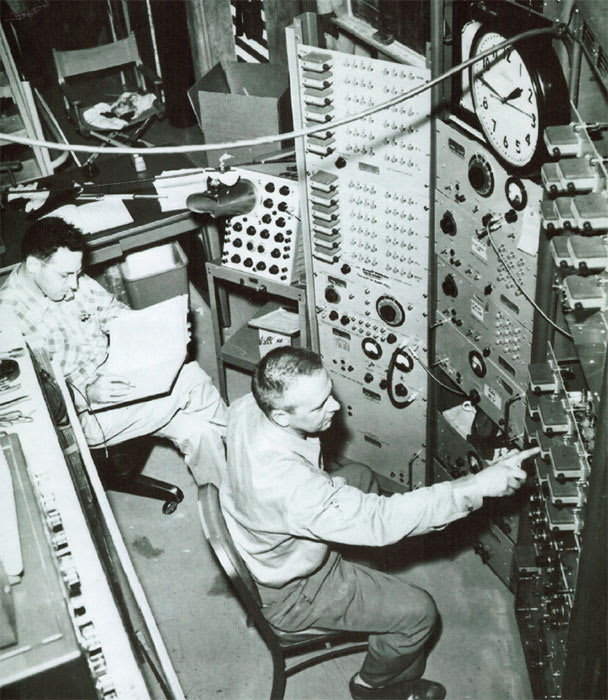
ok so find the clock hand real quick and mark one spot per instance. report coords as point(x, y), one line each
point(487, 84)
point(530, 116)
point(517, 92)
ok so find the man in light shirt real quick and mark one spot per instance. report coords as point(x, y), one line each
point(62, 311)
point(284, 511)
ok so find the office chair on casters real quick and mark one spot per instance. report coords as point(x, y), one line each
point(119, 470)
point(101, 74)
point(281, 644)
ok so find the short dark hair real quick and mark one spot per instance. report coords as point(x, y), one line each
point(276, 372)
point(44, 238)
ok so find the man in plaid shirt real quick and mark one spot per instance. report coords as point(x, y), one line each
point(60, 309)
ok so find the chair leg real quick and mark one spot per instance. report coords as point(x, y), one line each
point(279, 679)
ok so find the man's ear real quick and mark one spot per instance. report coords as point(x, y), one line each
point(33, 264)
point(280, 417)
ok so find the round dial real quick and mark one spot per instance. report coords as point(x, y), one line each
point(515, 192)
point(507, 100)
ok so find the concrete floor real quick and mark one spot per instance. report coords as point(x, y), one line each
point(215, 654)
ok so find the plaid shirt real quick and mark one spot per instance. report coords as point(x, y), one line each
point(73, 332)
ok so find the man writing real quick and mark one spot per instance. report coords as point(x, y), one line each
point(282, 510)
point(66, 313)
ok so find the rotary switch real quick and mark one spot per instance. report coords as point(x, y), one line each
point(390, 311)
point(481, 176)
point(448, 224)
point(449, 286)
point(331, 295)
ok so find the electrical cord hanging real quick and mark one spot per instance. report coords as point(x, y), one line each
point(298, 133)
point(434, 378)
point(518, 285)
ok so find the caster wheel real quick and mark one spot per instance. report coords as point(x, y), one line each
point(169, 507)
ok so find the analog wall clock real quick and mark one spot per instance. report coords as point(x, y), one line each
point(517, 91)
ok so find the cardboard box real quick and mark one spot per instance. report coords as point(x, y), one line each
point(276, 328)
point(236, 101)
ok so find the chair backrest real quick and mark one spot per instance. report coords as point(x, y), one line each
point(112, 55)
point(218, 536)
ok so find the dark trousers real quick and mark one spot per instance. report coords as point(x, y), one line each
point(342, 595)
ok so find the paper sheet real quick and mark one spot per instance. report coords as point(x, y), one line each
point(176, 185)
point(148, 347)
point(95, 216)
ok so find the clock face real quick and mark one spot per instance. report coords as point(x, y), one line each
point(506, 101)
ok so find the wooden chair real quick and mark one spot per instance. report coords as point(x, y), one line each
point(281, 645)
point(100, 74)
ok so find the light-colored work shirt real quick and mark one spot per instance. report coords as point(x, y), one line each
point(72, 331)
point(282, 509)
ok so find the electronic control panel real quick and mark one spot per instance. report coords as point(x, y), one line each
point(267, 239)
point(487, 226)
point(367, 187)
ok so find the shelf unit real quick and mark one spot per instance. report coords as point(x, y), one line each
point(241, 349)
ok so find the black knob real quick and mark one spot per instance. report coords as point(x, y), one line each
point(449, 286)
point(260, 249)
point(237, 226)
point(486, 351)
point(235, 258)
point(267, 218)
point(333, 315)
point(488, 289)
point(282, 206)
point(331, 295)
point(265, 233)
point(474, 397)
point(273, 269)
point(250, 230)
point(447, 224)
point(383, 383)
point(391, 338)
point(261, 265)
point(280, 222)
point(369, 377)
point(401, 390)
point(250, 246)
point(268, 203)
point(345, 269)
point(511, 216)
point(284, 190)
point(248, 262)
point(237, 242)
point(269, 187)
point(345, 320)
point(275, 253)
point(279, 238)
point(340, 162)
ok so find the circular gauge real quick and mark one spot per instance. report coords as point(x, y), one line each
point(474, 462)
point(481, 176)
point(404, 362)
point(390, 311)
point(371, 348)
point(477, 364)
point(516, 194)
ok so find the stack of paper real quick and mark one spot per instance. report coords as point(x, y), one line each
point(148, 347)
